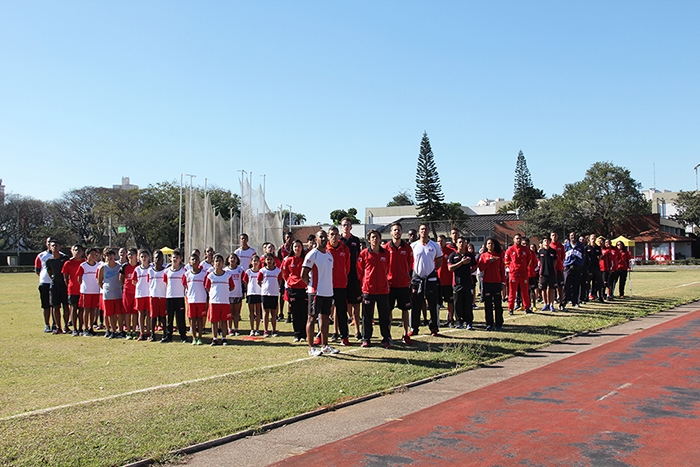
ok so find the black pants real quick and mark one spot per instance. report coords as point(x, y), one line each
point(340, 300)
point(422, 290)
point(493, 303)
point(462, 299)
point(572, 283)
point(176, 309)
point(299, 309)
point(382, 302)
point(623, 282)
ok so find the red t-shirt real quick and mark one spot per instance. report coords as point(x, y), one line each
point(71, 268)
point(341, 264)
point(400, 264)
point(561, 254)
point(444, 274)
point(372, 269)
point(291, 271)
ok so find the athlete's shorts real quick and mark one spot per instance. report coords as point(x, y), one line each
point(196, 310)
point(446, 293)
point(234, 300)
point(400, 297)
point(74, 300)
point(532, 283)
point(219, 312)
point(549, 281)
point(157, 308)
point(270, 302)
point(113, 307)
point(129, 302)
point(320, 305)
point(89, 300)
point(254, 299)
point(58, 296)
point(44, 295)
point(354, 291)
point(143, 304)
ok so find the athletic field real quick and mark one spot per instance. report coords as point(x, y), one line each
point(91, 401)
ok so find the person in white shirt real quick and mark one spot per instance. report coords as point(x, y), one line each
point(427, 258)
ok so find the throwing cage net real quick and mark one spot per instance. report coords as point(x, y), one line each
point(204, 225)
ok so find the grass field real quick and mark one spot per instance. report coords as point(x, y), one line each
point(110, 402)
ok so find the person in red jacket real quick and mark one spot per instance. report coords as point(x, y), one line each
point(623, 266)
point(494, 283)
point(559, 265)
point(372, 270)
point(517, 259)
point(296, 290)
point(400, 266)
point(606, 264)
point(341, 269)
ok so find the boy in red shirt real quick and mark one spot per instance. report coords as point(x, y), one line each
point(70, 275)
point(372, 269)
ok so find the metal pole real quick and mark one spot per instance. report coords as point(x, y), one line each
point(179, 217)
point(230, 229)
point(696, 176)
point(264, 211)
point(240, 221)
point(182, 245)
point(213, 230)
point(290, 217)
point(191, 223)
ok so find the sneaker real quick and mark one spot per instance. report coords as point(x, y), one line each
point(274, 334)
point(113, 335)
point(295, 340)
point(199, 342)
point(475, 306)
point(214, 342)
point(459, 326)
point(317, 341)
point(344, 341)
point(434, 332)
point(451, 324)
point(510, 312)
point(469, 327)
point(413, 332)
point(407, 340)
point(257, 333)
point(141, 337)
point(528, 311)
point(75, 333)
point(236, 333)
point(47, 329)
point(365, 344)
point(358, 336)
point(335, 337)
point(151, 338)
point(314, 352)
point(499, 328)
point(183, 340)
point(280, 317)
point(386, 344)
point(223, 342)
point(252, 333)
point(289, 318)
point(122, 335)
point(266, 334)
point(328, 350)
point(489, 328)
point(165, 340)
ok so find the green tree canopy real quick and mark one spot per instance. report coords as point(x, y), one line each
point(605, 198)
point(688, 205)
point(338, 214)
point(525, 195)
point(428, 188)
point(402, 198)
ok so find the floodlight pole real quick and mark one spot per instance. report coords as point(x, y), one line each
point(213, 230)
point(290, 217)
point(189, 235)
point(240, 221)
point(696, 176)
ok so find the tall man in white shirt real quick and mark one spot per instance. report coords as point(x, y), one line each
point(425, 285)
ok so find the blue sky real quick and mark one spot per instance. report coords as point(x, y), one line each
point(330, 99)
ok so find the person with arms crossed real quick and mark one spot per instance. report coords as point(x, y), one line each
point(399, 277)
point(425, 286)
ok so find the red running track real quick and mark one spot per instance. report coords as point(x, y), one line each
point(632, 402)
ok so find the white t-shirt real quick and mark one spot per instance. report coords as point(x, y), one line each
point(141, 275)
point(269, 279)
point(196, 293)
point(236, 275)
point(219, 287)
point(321, 277)
point(424, 257)
point(244, 256)
point(175, 286)
point(251, 277)
point(156, 284)
point(89, 284)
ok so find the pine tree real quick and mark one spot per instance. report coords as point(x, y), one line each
point(525, 195)
point(429, 197)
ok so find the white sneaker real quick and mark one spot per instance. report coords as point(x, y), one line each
point(328, 350)
point(314, 352)
point(252, 333)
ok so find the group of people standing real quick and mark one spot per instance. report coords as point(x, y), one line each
point(330, 279)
